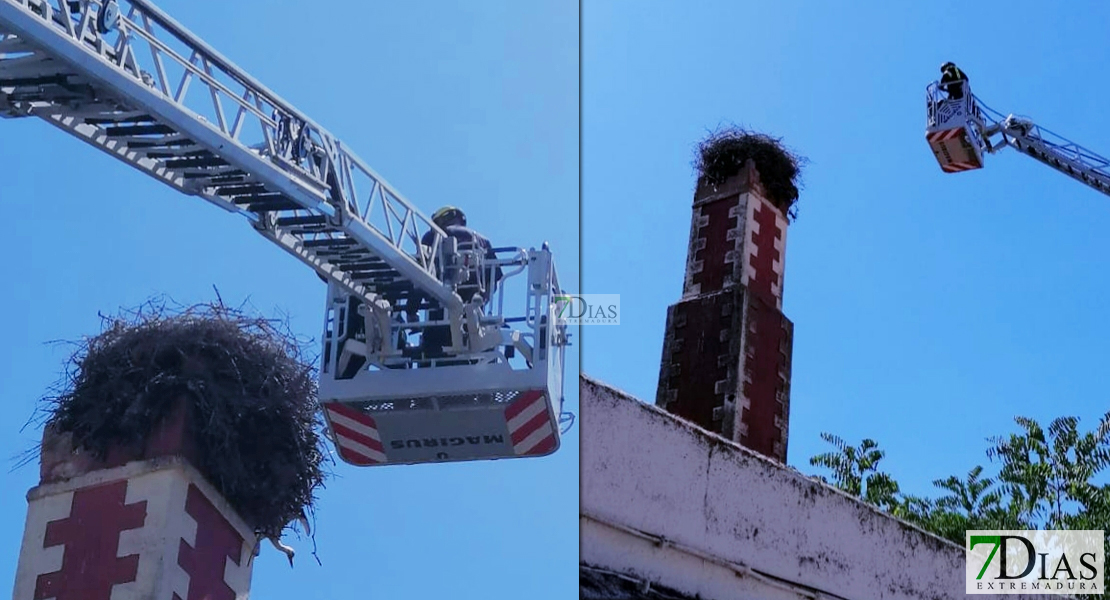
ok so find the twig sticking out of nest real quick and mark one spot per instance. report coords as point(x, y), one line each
point(252, 394)
point(723, 153)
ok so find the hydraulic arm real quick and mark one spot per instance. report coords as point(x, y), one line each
point(1053, 150)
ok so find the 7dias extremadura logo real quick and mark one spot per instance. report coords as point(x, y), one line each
point(589, 309)
point(1035, 562)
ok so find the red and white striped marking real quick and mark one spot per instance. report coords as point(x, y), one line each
point(940, 137)
point(956, 167)
point(947, 134)
point(356, 435)
point(530, 427)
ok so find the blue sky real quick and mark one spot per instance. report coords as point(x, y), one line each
point(929, 309)
point(468, 103)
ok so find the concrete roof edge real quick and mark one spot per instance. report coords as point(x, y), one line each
point(726, 444)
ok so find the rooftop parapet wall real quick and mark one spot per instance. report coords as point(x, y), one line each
point(653, 482)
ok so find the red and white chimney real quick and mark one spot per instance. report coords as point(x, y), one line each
point(727, 346)
point(140, 524)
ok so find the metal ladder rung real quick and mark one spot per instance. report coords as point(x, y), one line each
point(330, 243)
point(255, 189)
point(133, 130)
point(231, 177)
point(302, 220)
point(344, 254)
point(380, 278)
point(272, 206)
point(169, 143)
point(244, 198)
point(248, 198)
point(193, 162)
point(360, 265)
point(121, 121)
point(185, 154)
point(305, 230)
point(395, 289)
point(370, 270)
point(374, 278)
point(212, 174)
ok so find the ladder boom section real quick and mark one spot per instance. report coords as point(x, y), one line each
point(1065, 156)
point(129, 80)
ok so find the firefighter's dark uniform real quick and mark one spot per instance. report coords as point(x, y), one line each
point(433, 339)
point(953, 81)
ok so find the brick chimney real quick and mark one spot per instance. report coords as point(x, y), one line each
point(727, 346)
point(140, 522)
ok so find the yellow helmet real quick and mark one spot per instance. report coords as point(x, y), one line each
point(448, 214)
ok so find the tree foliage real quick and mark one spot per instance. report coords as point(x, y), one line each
point(855, 469)
point(1047, 478)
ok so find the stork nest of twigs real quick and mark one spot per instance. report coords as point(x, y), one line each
point(723, 153)
point(250, 389)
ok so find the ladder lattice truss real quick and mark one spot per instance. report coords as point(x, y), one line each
point(1075, 161)
point(129, 80)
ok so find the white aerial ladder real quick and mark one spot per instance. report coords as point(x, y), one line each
point(129, 80)
point(962, 131)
